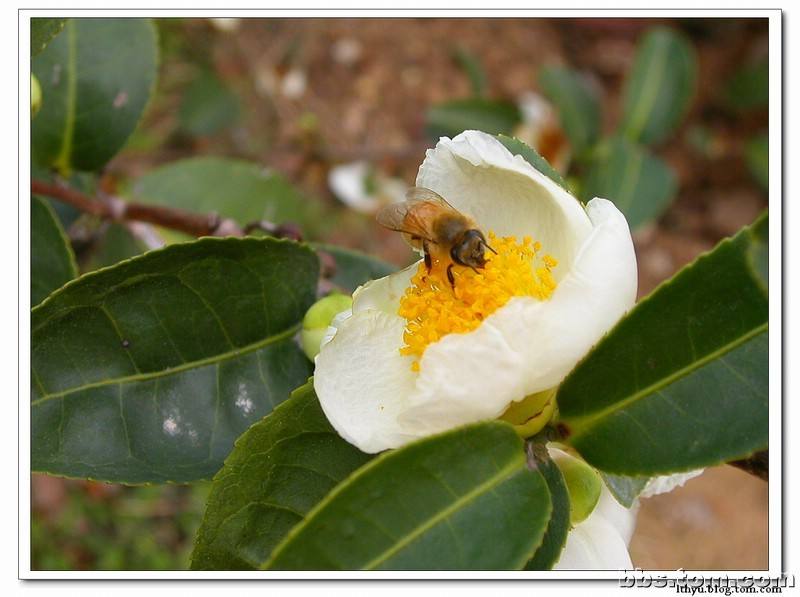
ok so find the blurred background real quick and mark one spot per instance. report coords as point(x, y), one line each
point(339, 113)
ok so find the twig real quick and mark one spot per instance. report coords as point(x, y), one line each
point(757, 464)
point(114, 208)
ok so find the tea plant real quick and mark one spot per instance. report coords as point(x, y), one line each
point(184, 363)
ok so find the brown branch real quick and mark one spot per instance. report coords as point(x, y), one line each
point(113, 208)
point(757, 464)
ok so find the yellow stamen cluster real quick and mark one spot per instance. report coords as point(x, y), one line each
point(434, 309)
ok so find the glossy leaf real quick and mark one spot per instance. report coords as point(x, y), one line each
point(749, 87)
point(354, 268)
point(473, 68)
point(52, 260)
point(639, 183)
point(757, 158)
point(682, 381)
point(147, 371)
point(558, 526)
point(280, 468)
point(243, 191)
point(578, 105)
point(490, 116)
point(624, 489)
point(461, 500)
point(759, 251)
point(208, 106)
point(43, 31)
point(660, 88)
point(96, 78)
point(531, 156)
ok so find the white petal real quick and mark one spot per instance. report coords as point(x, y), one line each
point(535, 109)
point(666, 483)
point(594, 545)
point(621, 518)
point(384, 293)
point(361, 380)
point(601, 541)
point(609, 509)
point(347, 183)
point(505, 194)
point(336, 323)
point(528, 345)
point(226, 24)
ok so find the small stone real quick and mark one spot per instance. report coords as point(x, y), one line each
point(347, 51)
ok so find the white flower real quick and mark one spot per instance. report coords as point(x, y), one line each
point(226, 24)
point(541, 129)
point(369, 391)
point(359, 186)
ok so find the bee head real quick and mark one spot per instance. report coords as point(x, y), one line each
point(470, 249)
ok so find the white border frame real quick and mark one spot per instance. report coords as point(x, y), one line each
point(775, 268)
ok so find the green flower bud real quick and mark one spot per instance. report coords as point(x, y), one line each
point(317, 320)
point(36, 95)
point(583, 484)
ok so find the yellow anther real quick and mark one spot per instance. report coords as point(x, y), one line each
point(434, 309)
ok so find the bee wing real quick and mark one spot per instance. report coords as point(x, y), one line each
point(406, 217)
point(421, 194)
point(413, 216)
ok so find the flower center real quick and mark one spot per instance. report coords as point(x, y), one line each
point(434, 309)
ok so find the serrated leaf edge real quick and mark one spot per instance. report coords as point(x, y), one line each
point(389, 454)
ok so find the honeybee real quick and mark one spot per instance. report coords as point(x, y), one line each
point(445, 235)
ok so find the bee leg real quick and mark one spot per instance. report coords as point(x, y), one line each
point(450, 276)
point(428, 261)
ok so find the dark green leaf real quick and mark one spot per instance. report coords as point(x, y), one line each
point(640, 184)
point(462, 500)
point(578, 106)
point(208, 106)
point(531, 156)
point(682, 381)
point(96, 78)
point(280, 469)
point(660, 87)
point(757, 158)
point(354, 268)
point(749, 87)
point(759, 251)
point(558, 526)
point(624, 489)
point(43, 31)
point(236, 189)
point(52, 260)
point(470, 64)
point(490, 116)
point(147, 371)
